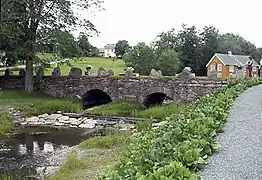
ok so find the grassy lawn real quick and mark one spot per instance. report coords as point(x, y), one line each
point(99, 154)
point(134, 109)
point(117, 66)
point(35, 103)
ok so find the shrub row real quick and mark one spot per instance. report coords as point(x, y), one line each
point(180, 148)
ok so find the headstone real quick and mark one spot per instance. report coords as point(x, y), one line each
point(160, 73)
point(8, 73)
point(155, 73)
point(129, 72)
point(111, 72)
point(22, 72)
point(75, 72)
point(56, 72)
point(89, 71)
point(102, 72)
point(40, 72)
point(186, 73)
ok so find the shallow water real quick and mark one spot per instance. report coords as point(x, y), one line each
point(23, 154)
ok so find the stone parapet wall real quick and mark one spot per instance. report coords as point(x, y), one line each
point(120, 89)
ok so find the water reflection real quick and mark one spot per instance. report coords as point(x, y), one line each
point(22, 154)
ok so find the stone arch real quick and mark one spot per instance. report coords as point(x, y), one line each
point(155, 96)
point(95, 97)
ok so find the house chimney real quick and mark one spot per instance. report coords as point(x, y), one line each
point(229, 53)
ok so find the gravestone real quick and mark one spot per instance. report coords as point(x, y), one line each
point(22, 72)
point(8, 73)
point(102, 72)
point(129, 72)
point(75, 72)
point(89, 71)
point(186, 73)
point(154, 73)
point(56, 72)
point(111, 72)
point(40, 73)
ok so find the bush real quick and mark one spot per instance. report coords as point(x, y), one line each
point(178, 150)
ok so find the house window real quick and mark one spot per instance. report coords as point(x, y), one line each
point(212, 67)
point(219, 67)
point(231, 69)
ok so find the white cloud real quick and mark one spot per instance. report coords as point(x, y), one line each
point(142, 20)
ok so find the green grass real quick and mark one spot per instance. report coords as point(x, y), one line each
point(95, 62)
point(117, 66)
point(5, 123)
point(134, 109)
point(35, 104)
point(99, 154)
point(108, 141)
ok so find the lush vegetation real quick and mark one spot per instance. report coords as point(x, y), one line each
point(179, 149)
point(5, 123)
point(135, 109)
point(35, 104)
point(99, 153)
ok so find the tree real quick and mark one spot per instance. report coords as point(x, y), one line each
point(48, 15)
point(168, 62)
point(209, 37)
point(87, 49)
point(142, 58)
point(121, 48)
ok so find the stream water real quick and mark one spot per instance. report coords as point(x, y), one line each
point(24, 155)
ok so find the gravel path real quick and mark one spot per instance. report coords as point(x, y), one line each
point(240, 156)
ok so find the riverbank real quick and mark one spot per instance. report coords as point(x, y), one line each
point(92, 157)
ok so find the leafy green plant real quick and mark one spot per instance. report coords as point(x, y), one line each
point(179, 149)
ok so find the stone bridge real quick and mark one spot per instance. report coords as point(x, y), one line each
point(97, 91)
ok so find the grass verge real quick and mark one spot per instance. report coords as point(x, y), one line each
point(6, 124)
point(134, 109)
point(98, 155)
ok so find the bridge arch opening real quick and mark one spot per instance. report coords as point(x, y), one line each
point(155, 99)
point(95, 97)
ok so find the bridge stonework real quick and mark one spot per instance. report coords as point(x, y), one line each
point(181, 91)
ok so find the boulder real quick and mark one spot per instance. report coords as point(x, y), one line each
point(89, 71)
point(75, 72)
point(129, 72)
point(186, 73)
point(155, 73)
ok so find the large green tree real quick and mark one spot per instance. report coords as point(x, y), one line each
point(121, 48)
point(87, 49)
point(39, 15)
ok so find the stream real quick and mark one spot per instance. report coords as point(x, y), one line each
point(34, 152)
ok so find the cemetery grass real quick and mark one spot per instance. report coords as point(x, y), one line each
point(135, 109)
point(98, 155)
point(117, 66)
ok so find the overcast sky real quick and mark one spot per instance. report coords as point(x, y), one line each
point(143, 20)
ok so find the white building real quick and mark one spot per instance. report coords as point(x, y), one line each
point(108, 51)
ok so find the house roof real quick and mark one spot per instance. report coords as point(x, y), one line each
point(110, 46)
point(231, 59)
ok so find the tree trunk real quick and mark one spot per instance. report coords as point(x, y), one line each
point(29, 81)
